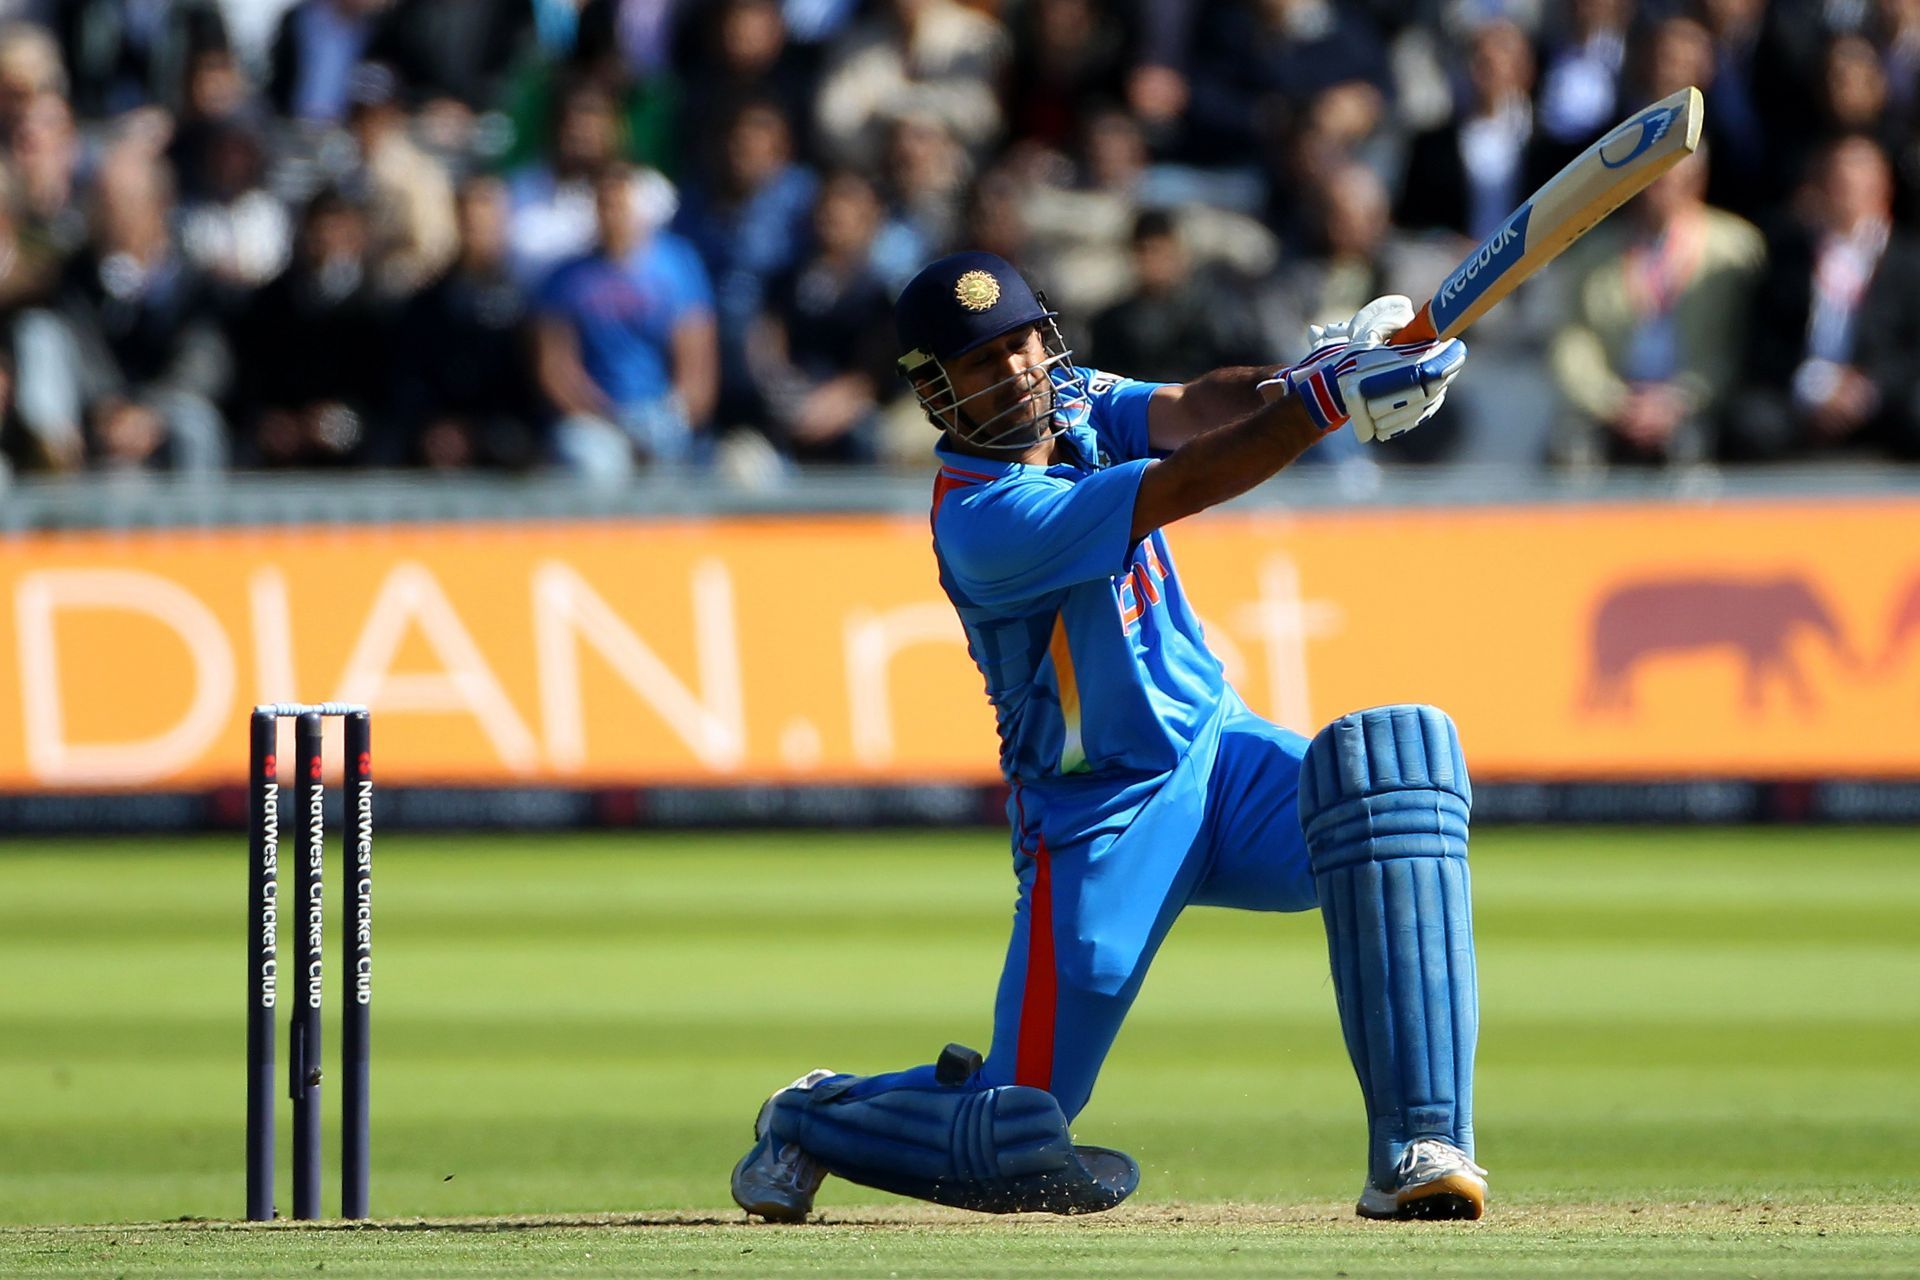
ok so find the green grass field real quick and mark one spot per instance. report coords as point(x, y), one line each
point(1698, 1055)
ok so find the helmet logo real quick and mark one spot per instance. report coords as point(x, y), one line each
point(977, 290)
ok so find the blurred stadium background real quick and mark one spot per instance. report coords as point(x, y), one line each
point(307, 391)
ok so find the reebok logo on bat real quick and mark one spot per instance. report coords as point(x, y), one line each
point(1495, 245)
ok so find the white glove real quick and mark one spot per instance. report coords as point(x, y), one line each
point(1353, 374)
point(1370, 326)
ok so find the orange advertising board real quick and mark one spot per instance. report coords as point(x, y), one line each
point(1760, 639)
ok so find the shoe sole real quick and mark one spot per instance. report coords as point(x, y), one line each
point(1452, 1198)
point(773, 1210)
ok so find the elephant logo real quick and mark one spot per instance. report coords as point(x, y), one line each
point(1754, 618)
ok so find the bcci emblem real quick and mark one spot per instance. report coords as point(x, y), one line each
point(977, 290)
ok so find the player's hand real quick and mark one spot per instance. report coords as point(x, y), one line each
point(1355, 374)
point(1391, 390)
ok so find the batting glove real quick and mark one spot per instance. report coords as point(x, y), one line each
point(1355, 375)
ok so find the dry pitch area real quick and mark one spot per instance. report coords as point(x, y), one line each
point(1782, 1240)
point(1697, 1059)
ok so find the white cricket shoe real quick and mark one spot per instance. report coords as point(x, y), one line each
point(1434, 1179)
point(777, 1180)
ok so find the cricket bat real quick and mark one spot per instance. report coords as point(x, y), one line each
point(1594, 184)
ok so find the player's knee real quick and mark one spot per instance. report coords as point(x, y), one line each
point(998, 1149)
point(1385, 783)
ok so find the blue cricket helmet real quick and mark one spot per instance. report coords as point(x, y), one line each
point(954, 305)
point(964, 299)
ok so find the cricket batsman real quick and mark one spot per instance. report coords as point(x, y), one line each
point(1140, 782)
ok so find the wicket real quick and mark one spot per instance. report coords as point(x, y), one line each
point(263, 970)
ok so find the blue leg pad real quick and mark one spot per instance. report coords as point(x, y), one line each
point(997, 1150)
point(1384, 801)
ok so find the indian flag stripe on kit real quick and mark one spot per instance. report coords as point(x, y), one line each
point(1073, 757)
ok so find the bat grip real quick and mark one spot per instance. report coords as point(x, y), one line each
point(1420, 329)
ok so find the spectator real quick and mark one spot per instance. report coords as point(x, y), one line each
point(28, 265)
point(30, 66)
point(996, 216)
point(923, 57)
point(452, 55)
point(1082, 235)
point(1580, 91)
point(745, 55)
point(214, 99)
point(643, 97)
point(1069, 56)
point(1158, 87)
point(1176, 324)
point(318, 45)
point(1855, 96)
point(235, 231)
point(408, 195)
point(1652, 347)
point(624, 341)
point(1273, 66)
point(1741, 181)
point(1837, 322)
point(749, 224)
point(823, 351)
point(1044, 139)
point(926, 175)
point(44, 148)
point(553, 198)
point(131, 360)
point(1467, 175)
point(313, 347)
point(465, 386)
point(126, 55)
point(1845, 92)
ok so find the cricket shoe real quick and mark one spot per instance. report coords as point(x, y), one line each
point(777, 1180)
point(1434, 1179)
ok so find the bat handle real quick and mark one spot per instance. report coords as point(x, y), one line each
point(1420, 329)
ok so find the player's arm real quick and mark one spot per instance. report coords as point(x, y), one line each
point(1352, 376)
point(1222, 463)
point(1178, 413)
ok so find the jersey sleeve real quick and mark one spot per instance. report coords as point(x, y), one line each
point(1118, 413)
point(1013, 542)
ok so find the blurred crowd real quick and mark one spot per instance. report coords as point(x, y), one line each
point(594, 234)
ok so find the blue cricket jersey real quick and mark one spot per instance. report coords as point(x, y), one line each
point(1092, 657)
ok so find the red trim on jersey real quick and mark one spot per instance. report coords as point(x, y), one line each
point(1039, 1007)
point(946, 482)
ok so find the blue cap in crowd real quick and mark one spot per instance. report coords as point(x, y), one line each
point(959, 302)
